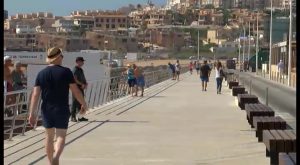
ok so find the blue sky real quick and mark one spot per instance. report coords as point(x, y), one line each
point(65, 7)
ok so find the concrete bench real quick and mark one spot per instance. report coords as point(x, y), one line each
point(259, 109)
point(267, 123)
point(232, 84)
point(246, 99)
point(278, 141)
point(287, 158)
point(238, 90)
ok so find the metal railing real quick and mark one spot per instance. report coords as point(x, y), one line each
point(98, 92)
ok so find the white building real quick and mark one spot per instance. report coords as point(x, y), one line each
point(20, 29)
point(64, 25)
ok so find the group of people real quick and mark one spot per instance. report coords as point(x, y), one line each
point(175, 68)
point(135, 79)
point(204, 70)
point(13, 78)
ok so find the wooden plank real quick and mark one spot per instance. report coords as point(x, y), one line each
point(292, 135)
point(288, 144)
point(267, 136)
point(279, 147)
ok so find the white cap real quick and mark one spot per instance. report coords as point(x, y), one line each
point(6, 58)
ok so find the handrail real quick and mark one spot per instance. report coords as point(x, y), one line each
point(98, 92)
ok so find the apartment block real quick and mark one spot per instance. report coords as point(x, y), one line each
point(114, 40)
point(19, 42)
point(67, 43)
point(65, 24)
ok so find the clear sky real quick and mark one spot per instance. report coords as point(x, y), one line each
point(65, 7)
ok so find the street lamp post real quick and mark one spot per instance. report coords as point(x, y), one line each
point(198, 32)
point(270, 51)
point(256, 60)
point(244, 47)
point(290, 46)
point(249, 42)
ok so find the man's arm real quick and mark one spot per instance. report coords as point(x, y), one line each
point(33, 105)
point(78, 95)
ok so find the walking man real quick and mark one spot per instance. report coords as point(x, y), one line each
point(280, 67)
point(81, 83)
point(204, 75)
point(53, 83)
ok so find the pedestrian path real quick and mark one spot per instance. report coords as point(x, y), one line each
point(175, 123)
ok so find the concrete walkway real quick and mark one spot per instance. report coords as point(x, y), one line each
point(175, 123)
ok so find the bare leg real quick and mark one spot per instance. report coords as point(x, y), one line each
point(136, 90)
point(50, 132)
point(202, 85)
point(60, 144)
point(205, 85)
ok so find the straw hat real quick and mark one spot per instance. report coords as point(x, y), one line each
point(52, 54)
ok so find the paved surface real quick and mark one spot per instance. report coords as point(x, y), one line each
point(174, 124)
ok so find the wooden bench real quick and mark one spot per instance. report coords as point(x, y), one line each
point(287, 158)
point(278, 141)
point(238, 90)
point(257, 110)
point(267, 123)
point(232, 84)
point(246, 99)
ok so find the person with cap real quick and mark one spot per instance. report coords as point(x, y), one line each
point(81, 84)
point(17, 77)
point(8, 86)
point(53, 84)
point(7, 74)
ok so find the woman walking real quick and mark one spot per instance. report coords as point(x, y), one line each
point(219, 77)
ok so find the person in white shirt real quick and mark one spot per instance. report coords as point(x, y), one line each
point(219, 77)
point(177, 69)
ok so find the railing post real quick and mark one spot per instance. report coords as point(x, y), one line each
point(267, 96)
point(250, 87)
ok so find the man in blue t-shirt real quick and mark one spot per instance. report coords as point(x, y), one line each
point(53, 83)
point(204, 75)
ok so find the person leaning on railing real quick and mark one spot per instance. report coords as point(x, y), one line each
point(17, 77)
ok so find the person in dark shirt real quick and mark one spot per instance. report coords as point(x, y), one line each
point(53, 84)
point(204, 75)
point(81, 84)
point(172, 67)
